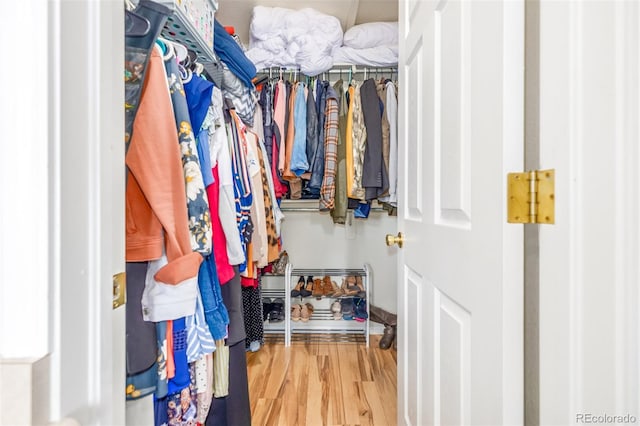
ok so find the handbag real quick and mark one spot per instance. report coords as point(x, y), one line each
point(280, 264)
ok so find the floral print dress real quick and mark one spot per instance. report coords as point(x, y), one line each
point(197, 202)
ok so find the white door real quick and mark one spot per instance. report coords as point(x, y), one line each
point(589, 260)
point(87, 162)
point(460, 357)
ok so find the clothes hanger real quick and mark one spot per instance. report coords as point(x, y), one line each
point(135, 25)
point(181, 51)
point(163, 46)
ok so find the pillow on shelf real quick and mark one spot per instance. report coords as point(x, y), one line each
point(371, 34)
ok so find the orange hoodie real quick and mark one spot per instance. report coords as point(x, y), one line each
point(155, 184)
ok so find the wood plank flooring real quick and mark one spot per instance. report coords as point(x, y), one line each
point(323, 384)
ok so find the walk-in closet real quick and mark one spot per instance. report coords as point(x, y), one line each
point(261, 193)
point(159, 264)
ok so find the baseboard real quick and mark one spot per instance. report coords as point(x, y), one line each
point(27, 381)
point(375, 328)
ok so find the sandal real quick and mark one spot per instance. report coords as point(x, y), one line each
point(336, 308)
point(295, 312)
point(306, 312)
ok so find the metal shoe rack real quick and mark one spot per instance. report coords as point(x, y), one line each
point(272, 288)
point(321, 326)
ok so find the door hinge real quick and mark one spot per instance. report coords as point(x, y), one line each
point(119, 289)
point(531, 197)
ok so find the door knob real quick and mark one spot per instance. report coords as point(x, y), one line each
point(393, 239)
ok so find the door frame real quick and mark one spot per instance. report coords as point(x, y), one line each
point(589, 105)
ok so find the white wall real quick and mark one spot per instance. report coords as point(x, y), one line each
point(313, 241)
point(24, 227)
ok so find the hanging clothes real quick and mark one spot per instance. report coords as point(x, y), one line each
point(359, 138)
point(317, 162)
point(220, 152)
point(277, 214)
point(277, 151)
point(259, 238)
point(295, 185)
point(155, 185)
point(299, 163)
point(252, 312)
point(242, 185)
point(339, 211)
point(392, 115)
point(327, 193)
point(375, 180)
point(382, 98)
point(197, 202)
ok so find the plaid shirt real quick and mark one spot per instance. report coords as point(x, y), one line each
point(328, 189)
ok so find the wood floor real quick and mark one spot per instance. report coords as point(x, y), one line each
point(323, 384)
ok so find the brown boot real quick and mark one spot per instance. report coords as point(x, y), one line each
point(388, 337)
point(317, 288)
point(381, 316)
point(327, 288)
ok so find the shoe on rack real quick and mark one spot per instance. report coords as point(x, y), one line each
point(267, 305)
point(308, 288)
point(360, 309)
point(388, 337)
point(317, 289)
point(336, 309)
point(327, 287)
point(295, 312)
point(277, 311)
point(335, 289)
point(360, 286)
point(298, 288)
point(349, 286)
point(347, 308)
point(306, 311)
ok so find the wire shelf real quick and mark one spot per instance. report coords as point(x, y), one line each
point(181, 28)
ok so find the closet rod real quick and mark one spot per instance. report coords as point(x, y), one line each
point(274, 71)
point(315, 210)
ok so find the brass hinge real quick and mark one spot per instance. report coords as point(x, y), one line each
point(119, 289)
point(531, 197)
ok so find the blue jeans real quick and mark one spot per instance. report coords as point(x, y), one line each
point(215, 312)
point(299, 163)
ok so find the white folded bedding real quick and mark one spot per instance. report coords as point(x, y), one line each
point(289, 38)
